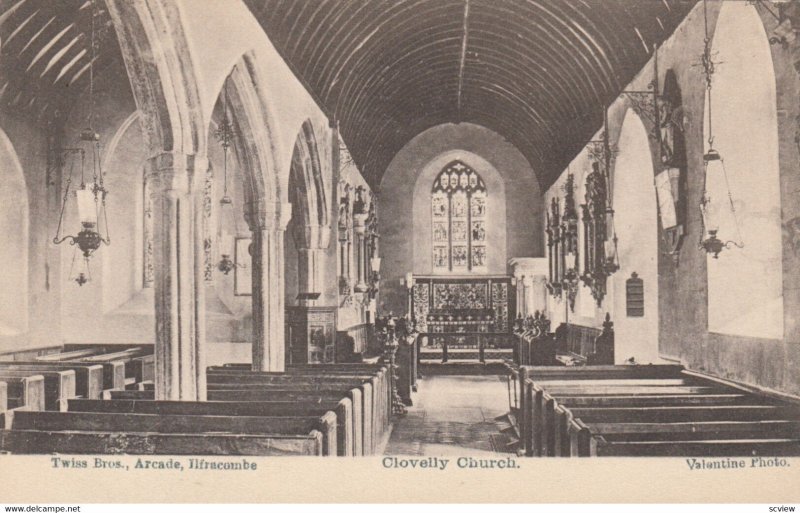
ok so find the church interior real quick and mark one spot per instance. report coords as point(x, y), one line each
point(420, 227)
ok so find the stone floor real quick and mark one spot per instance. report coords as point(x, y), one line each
point(453, 415)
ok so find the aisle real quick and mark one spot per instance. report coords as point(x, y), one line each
point(453, 415)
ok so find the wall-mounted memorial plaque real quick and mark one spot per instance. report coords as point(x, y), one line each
point(634, 296)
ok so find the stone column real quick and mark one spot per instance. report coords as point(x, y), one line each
point(268, 222)
point(313, 242)
point(178, 275)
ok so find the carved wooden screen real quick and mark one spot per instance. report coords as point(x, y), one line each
point(458, 213)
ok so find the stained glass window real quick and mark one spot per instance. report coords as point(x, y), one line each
point(458, 213)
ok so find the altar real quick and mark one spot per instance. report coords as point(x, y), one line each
point(463, 317)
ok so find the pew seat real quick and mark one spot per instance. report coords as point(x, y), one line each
point(190, 444)
point(25, 392)
point(177, 424)
point(88, 377)
point(342, 411)
point(59, 385)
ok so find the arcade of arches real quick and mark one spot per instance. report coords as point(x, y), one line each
point(275, 189)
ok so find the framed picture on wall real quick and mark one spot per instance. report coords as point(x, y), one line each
point(243, 272)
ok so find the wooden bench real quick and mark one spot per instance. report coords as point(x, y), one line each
point(342, 410)
point(382, 390)
point(59, 385)
point(359, 425)
point(542, 414)
point(600, 380)
point(571, 373)
point(375, 408)
point(558, 413)
point(139, 363)
point(25, 392)
point(699, 415)
point(585, 345)
point(711, 447)
point(580, 433)
point(88, 377)
point(86, 442)
point(178, 424)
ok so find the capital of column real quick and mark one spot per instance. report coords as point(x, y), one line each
point(173, 171)
point(360, 223)
point(265, 215)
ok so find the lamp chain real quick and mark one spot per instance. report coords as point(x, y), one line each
point(708, 69)
point(91, 65)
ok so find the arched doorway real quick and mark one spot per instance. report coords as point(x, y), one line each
point(636, 222)
point(745, 295)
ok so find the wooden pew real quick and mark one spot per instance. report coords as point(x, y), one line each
point(605, 372)
point(206, 444)
point(371, 388)
point(533, 414)
point(298, 397)
point(558, 412)
point(381, 389)
point(170, 423)
point(712, 447)
point(381, 371)
point(597, 372)
point(342, 409)
point(580, 434)
point(25, 392)
point(88, 377)
point(59, 385)
point(119, 365)
point(65, 356)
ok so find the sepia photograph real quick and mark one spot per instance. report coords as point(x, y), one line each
point(449, 251)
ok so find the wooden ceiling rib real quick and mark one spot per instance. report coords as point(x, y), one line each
point(539, 72)
point(45, 41)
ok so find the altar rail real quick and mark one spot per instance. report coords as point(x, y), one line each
point(465, 346)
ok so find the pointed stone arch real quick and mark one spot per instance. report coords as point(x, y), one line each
point(745, 290)
point(636, 224)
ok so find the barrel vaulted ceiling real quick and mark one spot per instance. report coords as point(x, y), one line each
point(538, 72)
point(45, 50)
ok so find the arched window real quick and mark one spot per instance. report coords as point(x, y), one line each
point(458, 203)
point(745, 288)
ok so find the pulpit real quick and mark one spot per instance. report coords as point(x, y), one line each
point(311, 334)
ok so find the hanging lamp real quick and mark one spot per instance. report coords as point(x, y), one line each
point(713, 210)
point(90, 195)
point(227, 220)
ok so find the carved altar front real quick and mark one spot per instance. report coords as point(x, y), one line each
point(469, 314)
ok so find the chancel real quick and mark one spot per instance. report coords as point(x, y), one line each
point(409, 229)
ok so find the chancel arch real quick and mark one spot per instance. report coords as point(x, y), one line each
point(14, 250)
point(745, 295)
point(636, 224)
